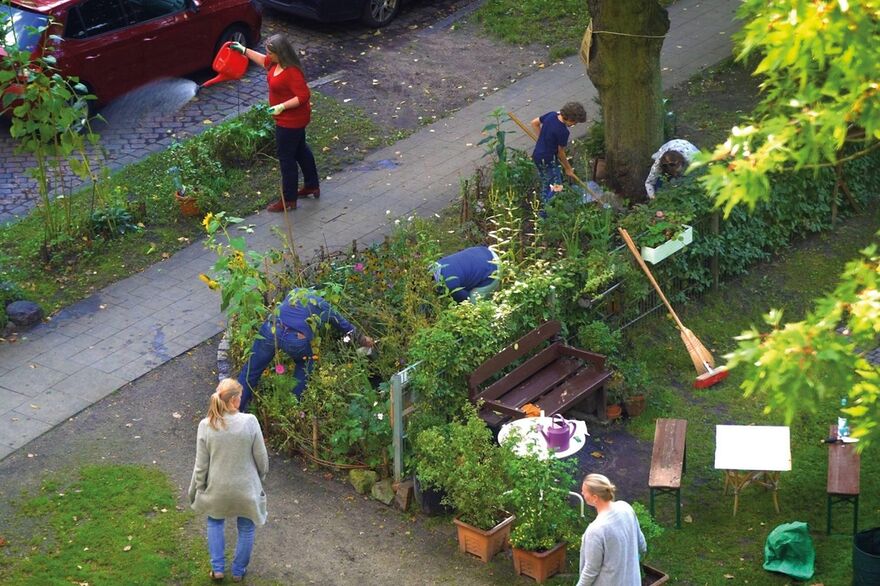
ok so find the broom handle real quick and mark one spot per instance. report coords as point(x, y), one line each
point(531, 134)
point(632, 248)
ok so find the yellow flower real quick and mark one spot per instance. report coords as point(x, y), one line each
point(211, 283)
point(206, 221)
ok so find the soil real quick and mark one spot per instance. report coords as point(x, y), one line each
point(412, 71)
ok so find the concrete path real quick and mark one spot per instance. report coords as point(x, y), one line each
point(96, 346)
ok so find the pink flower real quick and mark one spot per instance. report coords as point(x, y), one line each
point(279, 368)
point(359, 267)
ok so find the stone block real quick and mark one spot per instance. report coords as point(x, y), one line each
point(362, 480)
point(383, 491)
point(403, 497)
point(24, 314)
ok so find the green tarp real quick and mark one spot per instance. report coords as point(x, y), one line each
point(789, 550)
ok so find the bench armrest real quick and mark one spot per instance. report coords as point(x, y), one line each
point(592, 357)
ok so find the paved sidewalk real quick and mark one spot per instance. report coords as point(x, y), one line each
point(96, 346)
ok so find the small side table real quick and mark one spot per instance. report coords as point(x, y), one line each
point(752, 454)
point(531, 440)
point(844, 465)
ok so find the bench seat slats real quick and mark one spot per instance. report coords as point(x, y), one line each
point(522, 347)
point(667, 457)
point(568, 393)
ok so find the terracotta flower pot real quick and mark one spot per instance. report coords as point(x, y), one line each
point(188, 205)
point(613, 411)
point(635, 405)
point(599, 172)
point(539, 565)
point(483, 544)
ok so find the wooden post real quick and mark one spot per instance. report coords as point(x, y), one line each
point(354, 246)
point(315, 436)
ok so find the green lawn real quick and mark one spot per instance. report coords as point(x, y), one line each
point(104, 525)
point(715, 548)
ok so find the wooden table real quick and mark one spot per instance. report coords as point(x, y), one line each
point(752, 454)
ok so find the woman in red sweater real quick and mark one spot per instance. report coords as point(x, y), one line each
point(289, 104)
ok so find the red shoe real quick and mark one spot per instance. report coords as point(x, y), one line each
point(313, 191)
point(279, 205)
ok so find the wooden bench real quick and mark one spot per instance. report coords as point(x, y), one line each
point(668, 462)
point(844, 466)
point(555, 378)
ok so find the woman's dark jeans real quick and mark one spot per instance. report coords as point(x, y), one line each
point(293, 151)
point(262, 353)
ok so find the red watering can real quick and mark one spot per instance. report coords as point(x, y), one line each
point(228, 64)
point(558, 433)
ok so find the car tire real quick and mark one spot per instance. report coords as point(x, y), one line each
point(378, 13)
point(235, 33)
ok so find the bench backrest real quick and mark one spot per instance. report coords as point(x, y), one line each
point(843, 467)
point(520, 348)
point(667, 458)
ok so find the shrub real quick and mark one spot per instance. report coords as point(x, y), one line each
point(463, 460)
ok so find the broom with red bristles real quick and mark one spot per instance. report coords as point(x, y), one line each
point(707, 374)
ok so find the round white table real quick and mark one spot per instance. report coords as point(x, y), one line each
point(531, 440)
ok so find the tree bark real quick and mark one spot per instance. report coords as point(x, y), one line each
point(626, 73)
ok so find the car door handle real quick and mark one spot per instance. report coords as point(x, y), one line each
point(90, 57)
point(150, 39)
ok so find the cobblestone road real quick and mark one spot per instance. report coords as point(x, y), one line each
point(326, 49)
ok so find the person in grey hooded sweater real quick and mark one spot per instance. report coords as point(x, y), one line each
point(612, 544)
point(227, 480)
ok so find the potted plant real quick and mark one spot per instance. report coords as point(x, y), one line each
point(660, 233)
point(615, 390)
point(462, 459)
point(545, 521)
point(651, 576)
point(634, 386)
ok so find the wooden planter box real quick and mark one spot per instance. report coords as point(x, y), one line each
point(539, 565)
point(483, 544)
point(188, 205)
point(653, 576)
point(655, 255)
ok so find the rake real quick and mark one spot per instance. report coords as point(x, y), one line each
point(704, 363)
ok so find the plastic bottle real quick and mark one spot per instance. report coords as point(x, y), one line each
point(842, 425)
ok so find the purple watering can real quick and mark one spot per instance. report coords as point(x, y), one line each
point(558, 433)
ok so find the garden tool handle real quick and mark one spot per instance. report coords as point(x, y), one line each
point(632, 248)
point(522, 126)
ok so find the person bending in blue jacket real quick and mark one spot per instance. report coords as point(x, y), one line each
point(468, 273)
point(293, 334)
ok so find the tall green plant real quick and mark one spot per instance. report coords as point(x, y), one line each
point(50, 122)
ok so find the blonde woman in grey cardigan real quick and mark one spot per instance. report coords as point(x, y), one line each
point(227, 480)
point(612, 544)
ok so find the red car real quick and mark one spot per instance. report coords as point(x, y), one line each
point(114, 46)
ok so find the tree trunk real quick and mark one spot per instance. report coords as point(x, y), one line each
point(626, 72)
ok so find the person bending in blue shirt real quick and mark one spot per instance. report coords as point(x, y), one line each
point(293, 334)
point(549, 154)
point(468, 273)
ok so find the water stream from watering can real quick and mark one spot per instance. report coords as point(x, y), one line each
point(159, 98)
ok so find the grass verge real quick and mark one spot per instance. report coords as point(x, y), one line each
point(85, 268)
point(522, 22)
point(108, 525)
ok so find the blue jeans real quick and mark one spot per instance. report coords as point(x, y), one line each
point(262, 354)
point(550, 173)
point(294, 153)
point(243, 545)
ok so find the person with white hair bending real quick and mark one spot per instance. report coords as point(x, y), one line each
point(611, 545)
point(227, 480)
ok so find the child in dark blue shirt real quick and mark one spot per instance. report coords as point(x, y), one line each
point(549, 154)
